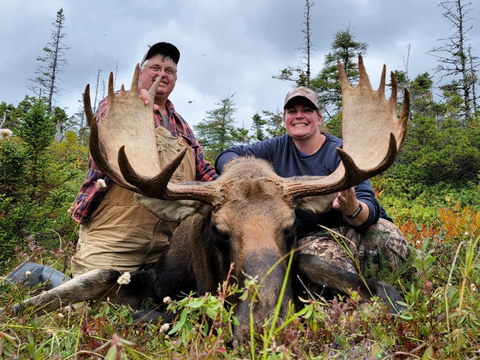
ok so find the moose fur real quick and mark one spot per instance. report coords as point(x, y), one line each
point(253, 227)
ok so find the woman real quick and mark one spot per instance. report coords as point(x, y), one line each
point(365, 228)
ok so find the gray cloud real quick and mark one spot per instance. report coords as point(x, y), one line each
point(227, 47)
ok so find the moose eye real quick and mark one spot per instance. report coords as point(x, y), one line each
point(221, 238)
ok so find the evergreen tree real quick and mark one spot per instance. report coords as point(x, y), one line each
point(52, 63)
point(346, 49)
point(216, 132)
point(25, 105)
point(62, 123)
point(438, 154)
point(82, 130)
point(421, 94)
point(454, 106)
point(454, 57)
point(274, 123)
point(37, 130)
point(257, 127)
point(240, 136)
point(302, 73)
point(39, 178)
point(19, 112)
point(7, 120)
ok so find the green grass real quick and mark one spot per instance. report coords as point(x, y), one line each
point(440, 287)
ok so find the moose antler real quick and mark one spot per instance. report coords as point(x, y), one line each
point(127, 122)
point(125, 136)
point(372, 135)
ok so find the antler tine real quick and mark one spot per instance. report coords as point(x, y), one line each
point(364, 80)
point(111, 91)
point(154, 87)
point(354, 175)
point(87, 105)
point(343, 77)
point(149, 186)
point(96, 148)
point(136, 75)
point(393, 96)
point(404, 117)
point(159, 187)
point(381, 87)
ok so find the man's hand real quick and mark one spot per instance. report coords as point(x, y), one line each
point(146, 99)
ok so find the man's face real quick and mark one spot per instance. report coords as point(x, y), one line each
point(157, 66)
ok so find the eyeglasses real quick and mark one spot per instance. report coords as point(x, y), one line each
point(157, 69)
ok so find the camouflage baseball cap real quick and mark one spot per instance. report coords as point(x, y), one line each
point(305, 92)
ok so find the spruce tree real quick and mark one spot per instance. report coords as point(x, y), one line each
point(346, 49)
point(37, 130)
point(51, 63)
point(216, 132)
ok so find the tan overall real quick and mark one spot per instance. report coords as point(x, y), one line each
point(121, 234)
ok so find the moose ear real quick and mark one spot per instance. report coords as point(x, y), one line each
point(316, 204)
point(177, 210)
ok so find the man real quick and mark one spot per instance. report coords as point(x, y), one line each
point(356, 215)
point(115, 231)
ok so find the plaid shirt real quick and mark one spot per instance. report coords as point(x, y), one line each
point(91, 194)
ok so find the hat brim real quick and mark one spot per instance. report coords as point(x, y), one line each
point(297, 97)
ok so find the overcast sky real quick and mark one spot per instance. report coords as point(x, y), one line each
point(227, 46)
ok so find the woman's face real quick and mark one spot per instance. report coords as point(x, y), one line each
point(302, 120)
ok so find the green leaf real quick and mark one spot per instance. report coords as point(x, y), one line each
point(428, 353)
point(111, 354)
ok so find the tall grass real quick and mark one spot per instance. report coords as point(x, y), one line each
point(440, 288)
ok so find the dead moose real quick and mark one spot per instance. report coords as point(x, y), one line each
point(246, 217)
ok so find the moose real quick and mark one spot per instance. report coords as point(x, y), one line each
point(246, 217)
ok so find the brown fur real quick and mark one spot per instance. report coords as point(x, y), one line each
point(253, 228)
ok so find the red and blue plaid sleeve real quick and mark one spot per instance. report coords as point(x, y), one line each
point(92, 191)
